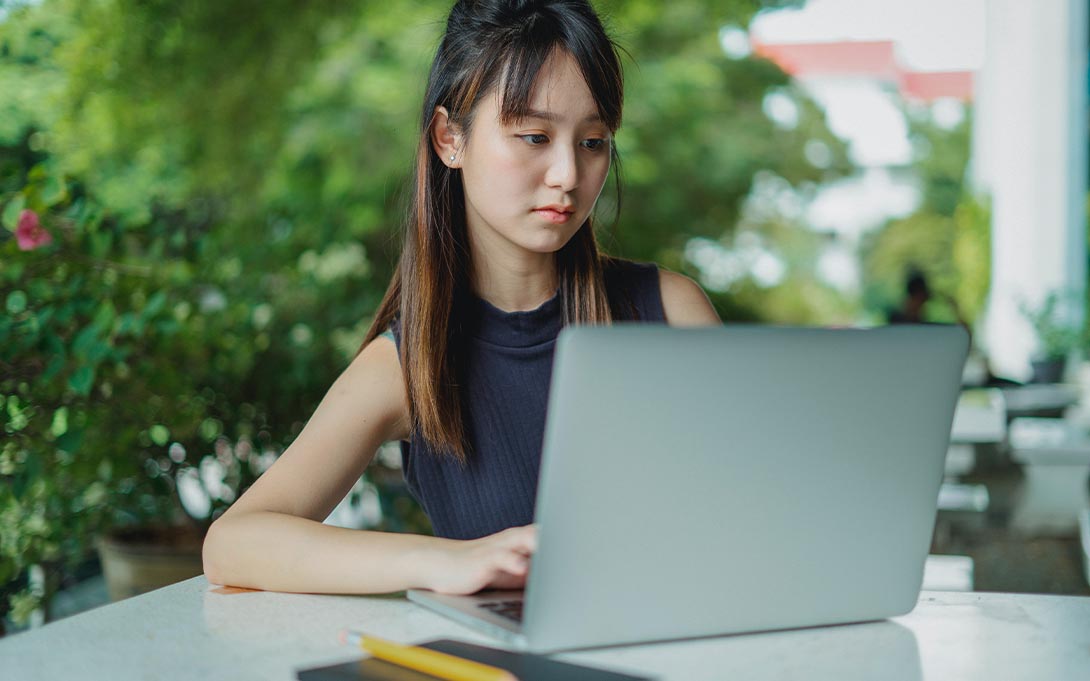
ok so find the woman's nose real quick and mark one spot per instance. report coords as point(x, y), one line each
point(563, 172)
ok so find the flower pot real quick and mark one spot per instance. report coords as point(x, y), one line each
point(139, 559)
point(1048, 370)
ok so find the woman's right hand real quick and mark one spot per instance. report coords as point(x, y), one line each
point(498, 561)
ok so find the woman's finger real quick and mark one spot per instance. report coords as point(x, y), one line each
point(523, 538)
point(513, 563)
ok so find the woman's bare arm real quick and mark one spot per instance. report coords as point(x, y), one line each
point(273, 537)
point(684, 302)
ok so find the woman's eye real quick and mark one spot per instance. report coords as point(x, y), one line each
point(535, 140)
point(594, 144)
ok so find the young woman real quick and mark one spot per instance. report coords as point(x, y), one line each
point(516, 142)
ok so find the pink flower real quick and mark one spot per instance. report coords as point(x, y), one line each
point(29, 234)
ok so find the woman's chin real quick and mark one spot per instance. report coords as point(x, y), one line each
point(547, 241)
point(544, 248)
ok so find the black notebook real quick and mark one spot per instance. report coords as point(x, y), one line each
point(525, 666)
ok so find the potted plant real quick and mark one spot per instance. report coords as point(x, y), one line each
point(1057, 336)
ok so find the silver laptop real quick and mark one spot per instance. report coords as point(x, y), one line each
point(697, 482)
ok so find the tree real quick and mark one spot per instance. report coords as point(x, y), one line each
point(947, 237)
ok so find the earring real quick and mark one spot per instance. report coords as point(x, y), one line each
point(452, 158)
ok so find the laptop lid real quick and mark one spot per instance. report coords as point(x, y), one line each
point(706, 481)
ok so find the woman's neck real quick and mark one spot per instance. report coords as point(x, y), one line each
point(512, 279)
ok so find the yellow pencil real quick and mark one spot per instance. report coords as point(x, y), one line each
point(431, 662)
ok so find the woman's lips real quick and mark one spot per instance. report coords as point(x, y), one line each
point(554, 216)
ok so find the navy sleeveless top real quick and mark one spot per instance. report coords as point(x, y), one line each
point(506, 385)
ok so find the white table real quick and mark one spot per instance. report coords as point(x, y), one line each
point(980, 417)
point(1027, 400)
point(186, 631)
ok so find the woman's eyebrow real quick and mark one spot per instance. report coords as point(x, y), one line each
point(550, 116)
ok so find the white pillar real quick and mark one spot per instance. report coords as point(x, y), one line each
point(1030, 155)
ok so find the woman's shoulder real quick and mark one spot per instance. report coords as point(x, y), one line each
point(374, 383)
point(658, 293)
point(685, 302)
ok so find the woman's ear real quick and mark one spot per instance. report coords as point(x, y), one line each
point(446, 138)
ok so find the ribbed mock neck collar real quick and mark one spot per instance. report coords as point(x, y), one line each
point(518, 329)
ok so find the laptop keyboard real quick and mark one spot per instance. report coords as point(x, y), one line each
point(512, 610)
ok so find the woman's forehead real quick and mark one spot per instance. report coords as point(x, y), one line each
point(559, 95)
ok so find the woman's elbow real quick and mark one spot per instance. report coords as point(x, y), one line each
point(212, 554)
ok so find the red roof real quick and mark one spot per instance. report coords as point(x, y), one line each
point(930, 86)
point(874, 59)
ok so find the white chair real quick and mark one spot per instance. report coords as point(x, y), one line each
point(1055, 458)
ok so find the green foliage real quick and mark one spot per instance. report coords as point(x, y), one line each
point(1058, 324)
point(168, 324)
point(318, 133)
point(81, 381)
point(947, 238)
point(164, 100)
point(802, 297)
point(695, 133)
point(941, 157)
point(972, 256)
point(922, 241)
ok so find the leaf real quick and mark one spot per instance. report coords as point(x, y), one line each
point(70, 441)
point(85, 340)
point(7, 571)
point(65, 312)
point(101, 243)
point(168, 327)
point(129, 323)
point(12, 271)
point(82, 380)
point(159, 434)
point(56, 363)
point(16, 302)
point(11, 212)
point(53, 191)
point(104, 318)
point(98, 352)
point(90, 218)
point(37, 172)
point(23, 605)
point(60, 422)
point(154, 305)
point(45, 315)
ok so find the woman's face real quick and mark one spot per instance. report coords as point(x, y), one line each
point(531, 184)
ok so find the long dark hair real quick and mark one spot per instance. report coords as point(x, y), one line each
point(487, 42)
